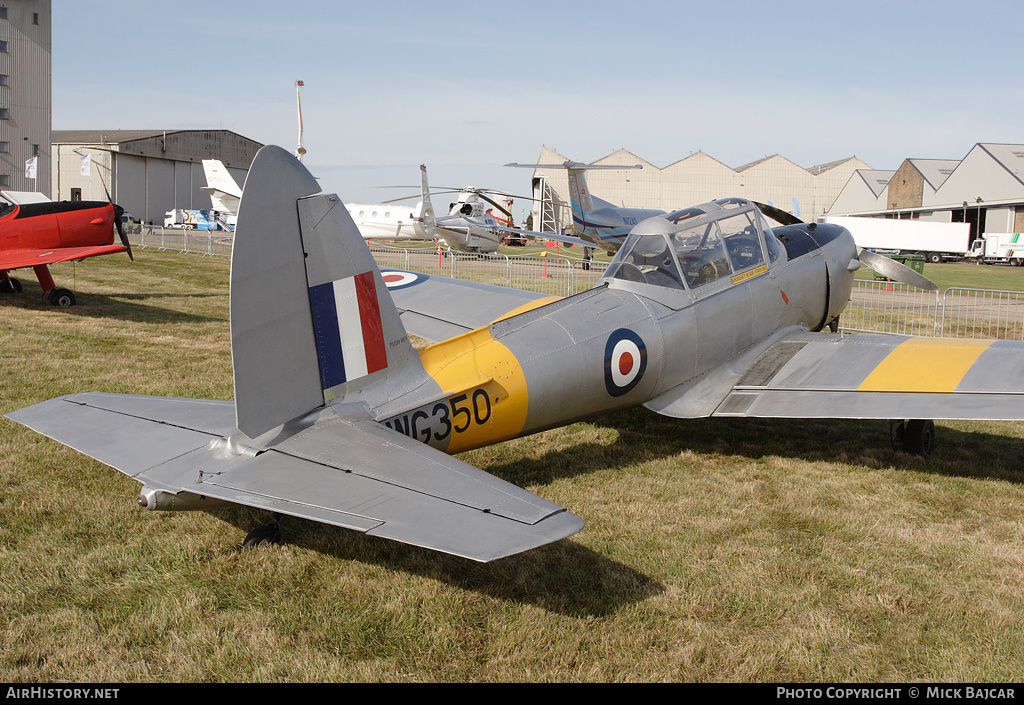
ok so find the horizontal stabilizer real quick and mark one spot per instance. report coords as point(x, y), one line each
point(126, 432)
point(347, 471)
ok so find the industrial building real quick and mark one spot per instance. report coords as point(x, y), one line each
point(25, 95)
point(148, 172)
point(698, 178)
point(985, 189)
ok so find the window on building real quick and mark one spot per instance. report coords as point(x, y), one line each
point(3, 46)
point(76, 194)
point(35, 150)
point(35, 18)
point(5, 147)
point(5, 80)
point(3, 12)
point(5, 180)
point(5, 113)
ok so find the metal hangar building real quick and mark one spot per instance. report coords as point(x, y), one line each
point(699, 178)
point(148, 172)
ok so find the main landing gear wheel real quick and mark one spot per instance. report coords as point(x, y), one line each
point(10, 285)
point(266, 535)
point(916, 436)
point(62, 298)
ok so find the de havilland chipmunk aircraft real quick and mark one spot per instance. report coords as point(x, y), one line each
point(37, 235)
point(703, 312)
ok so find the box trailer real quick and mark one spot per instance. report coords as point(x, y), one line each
point(936, 242)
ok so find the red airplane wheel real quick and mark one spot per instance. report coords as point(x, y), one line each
point(62, 298)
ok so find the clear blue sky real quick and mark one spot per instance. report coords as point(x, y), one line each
point(468, 87)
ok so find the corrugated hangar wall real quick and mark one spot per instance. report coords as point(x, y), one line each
point(699, 178)
point(148, 172)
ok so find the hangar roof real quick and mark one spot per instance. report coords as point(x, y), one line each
point(116, 136)
point(935, 171)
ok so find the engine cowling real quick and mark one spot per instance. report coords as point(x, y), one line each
point(424, 223)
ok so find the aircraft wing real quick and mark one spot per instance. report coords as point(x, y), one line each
point(864, 376)
point(439, 308)
point(16, 259)
point(567, 239)
point(346, 470)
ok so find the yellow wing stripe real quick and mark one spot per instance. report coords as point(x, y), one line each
point(925, 365)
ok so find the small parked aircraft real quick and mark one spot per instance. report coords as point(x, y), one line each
point(40, 234)
point(705, 311)
point(469, 225)
point(391, 221)
point(225, 193)
point(595, 221)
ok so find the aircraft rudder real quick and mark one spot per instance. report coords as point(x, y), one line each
point(356, 325)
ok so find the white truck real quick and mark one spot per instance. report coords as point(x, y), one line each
point(998, 247)
point(936, 242)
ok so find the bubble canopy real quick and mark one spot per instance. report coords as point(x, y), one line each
point(690, 248)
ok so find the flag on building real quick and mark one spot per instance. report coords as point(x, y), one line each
point(30, 167)
point(87, 165)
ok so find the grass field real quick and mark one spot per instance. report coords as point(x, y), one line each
point(725, 550)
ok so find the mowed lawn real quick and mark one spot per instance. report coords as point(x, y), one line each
point(717, 550)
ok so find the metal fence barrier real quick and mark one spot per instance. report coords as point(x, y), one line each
point(875, 306)
point(957, 312)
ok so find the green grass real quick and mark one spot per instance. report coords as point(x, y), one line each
point(715, 550)
point(968, 275)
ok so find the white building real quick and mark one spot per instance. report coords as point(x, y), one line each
point(985, 189)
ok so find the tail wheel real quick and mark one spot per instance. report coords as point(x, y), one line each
point(10, 285)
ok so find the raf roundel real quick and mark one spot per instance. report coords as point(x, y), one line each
point(625, 360)
point(394, 279)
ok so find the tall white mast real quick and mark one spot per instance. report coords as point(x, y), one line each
point(300, 150)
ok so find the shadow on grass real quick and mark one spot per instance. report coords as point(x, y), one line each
point(644, 435)
point(561, 577)
point(116, 307)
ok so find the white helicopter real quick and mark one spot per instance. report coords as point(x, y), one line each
point(471, 225)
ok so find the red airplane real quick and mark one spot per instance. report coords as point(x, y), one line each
point(39, 234)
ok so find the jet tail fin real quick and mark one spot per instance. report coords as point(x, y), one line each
point(221, 186)
point(579, 194)
point(311, 318)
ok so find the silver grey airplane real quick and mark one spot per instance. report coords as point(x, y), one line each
point(703, 312)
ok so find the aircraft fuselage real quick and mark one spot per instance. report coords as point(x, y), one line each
point(57, 224)
point(624, 342)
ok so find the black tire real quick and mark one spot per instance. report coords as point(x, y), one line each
point(934, 257)
point(10, 285)
point(919, 437)
point(62, 298)
point(265, 535)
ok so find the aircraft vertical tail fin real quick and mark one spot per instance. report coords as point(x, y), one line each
point(221, 186)
point(580, 200)
point(311, 318)
point(579, 194)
